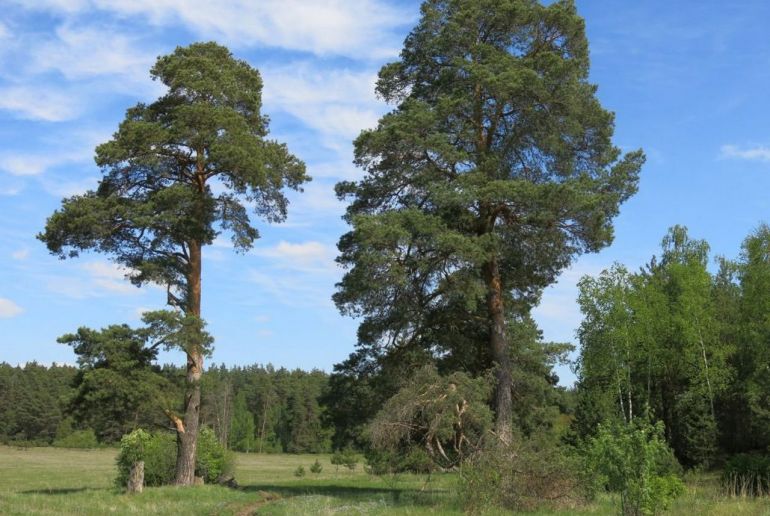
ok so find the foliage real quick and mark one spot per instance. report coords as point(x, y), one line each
point(528, 474)
point(747, 475)
point(158, 451)
point(213, 462)
point(316, 468)
point(634, 460)
point(346, 457)
point(444, 417)
point(242, 426)
point(78, 439)
point(683, 344)
point(118, 387)
point(299, 472)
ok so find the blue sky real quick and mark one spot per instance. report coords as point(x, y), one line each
point(688, 81)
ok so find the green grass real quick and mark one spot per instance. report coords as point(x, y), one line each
point(60, 481)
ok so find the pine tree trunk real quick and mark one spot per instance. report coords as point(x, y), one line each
point(187, 436)
point(499, 348)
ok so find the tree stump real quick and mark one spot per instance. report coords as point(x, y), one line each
point(136, 477)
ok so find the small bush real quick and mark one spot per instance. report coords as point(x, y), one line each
point(316, 468)
point(78, 439)
point(346, 457)
point(158, 451)
point(747, 475)
point(299, 472)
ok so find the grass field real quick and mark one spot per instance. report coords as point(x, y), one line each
point(56, 481)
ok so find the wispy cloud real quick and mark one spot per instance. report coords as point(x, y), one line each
point(100, 278)
point(20, 254)
point(337, 103)
point(311, 256)
point(750, 153)
point(9, 309)
point(361, 28)
point(34, 102)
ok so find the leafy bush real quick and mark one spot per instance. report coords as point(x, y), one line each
point(747, 475)
point(316, 468)
point(299, 472)
point(634, 460)
point(214, 462)
point(158, 451)
point(523, 476)
point(78, 439)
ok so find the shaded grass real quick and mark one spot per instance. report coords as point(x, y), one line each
point(59, 481)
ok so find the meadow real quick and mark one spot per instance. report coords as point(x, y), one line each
point(60, 481)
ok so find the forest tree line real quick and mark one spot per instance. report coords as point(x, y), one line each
point(250, 408)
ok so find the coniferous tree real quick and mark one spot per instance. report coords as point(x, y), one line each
point(175, 172)
point(493, 171)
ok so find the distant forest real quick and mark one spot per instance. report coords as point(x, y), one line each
point(252, 408)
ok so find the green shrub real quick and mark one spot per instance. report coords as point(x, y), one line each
point(528, 474)
point(385, 462)
point(747, 475)
point(346, 457)
point(634, 460)
point(214, 462)
point(78, 439)
point(158, 451)
point(316, 468)
point(299, 472)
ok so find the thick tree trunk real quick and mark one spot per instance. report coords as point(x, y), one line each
point(499, 348)
point(187, 436)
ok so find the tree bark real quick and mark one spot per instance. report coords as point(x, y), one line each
point(499, 348)
point(187, 438)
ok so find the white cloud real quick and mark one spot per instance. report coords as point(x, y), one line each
point(86, 52)
point(36, 164)
point(33, 102)
point(102, 278)
point(361, 28)
point(309, 256)
point(4, 31)
point(110, 277)
point(755, 153)
point(9, 309)
point(338, 103)
point(21, 254)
